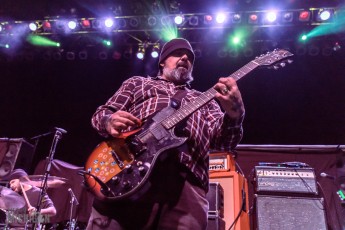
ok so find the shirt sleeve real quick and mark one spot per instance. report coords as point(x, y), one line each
point(121, 100)
point(226, 132)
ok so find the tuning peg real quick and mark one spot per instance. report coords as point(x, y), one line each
point(282, 64)
point(275, 67)
point(289, 61)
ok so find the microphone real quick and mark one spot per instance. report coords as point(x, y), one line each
point(60, 130)
point(323, 174)
point(73, 196)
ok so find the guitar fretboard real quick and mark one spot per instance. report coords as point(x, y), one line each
point(204, 98)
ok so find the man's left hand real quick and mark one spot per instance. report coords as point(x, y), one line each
point(230, 97)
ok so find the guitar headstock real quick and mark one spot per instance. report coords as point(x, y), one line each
point(274, 59)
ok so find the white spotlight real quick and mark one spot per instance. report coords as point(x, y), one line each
point(109, 22)
point(220, 18)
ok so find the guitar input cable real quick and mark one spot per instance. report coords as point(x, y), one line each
point(106, 190)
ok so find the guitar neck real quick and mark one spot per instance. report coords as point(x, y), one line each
point(204, 98)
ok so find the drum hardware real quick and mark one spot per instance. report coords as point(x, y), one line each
point(72, 221)
point(37, 181)
point(56, 139)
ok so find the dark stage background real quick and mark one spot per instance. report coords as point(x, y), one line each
point(302, 103)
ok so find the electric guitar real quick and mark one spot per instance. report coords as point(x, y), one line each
point(119, 168)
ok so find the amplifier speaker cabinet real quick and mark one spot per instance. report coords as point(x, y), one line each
point(215, 197)
point(14, 153)
point(233, 185)
point(215, 223)
point(290, 213)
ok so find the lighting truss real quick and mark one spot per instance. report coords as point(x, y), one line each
point(118, 24)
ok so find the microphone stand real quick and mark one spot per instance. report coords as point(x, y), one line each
point(72, 221)
point(57, 137)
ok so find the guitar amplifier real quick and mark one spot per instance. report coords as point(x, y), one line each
point(285, 180)
point(221, 161)
point(215, 198)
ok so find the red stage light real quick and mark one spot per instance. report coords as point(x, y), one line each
point(304, 16)
point(46, 25)
point(85, 23)
point(253, 18)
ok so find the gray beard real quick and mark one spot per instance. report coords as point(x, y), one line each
point(178, 75)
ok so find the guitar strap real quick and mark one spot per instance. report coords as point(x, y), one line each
point(177, 98)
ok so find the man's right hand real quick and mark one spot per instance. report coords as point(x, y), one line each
point(120, 120)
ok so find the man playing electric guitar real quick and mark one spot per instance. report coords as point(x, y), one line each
point(174, 193)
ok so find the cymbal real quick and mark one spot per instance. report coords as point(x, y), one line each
point(9, 199)
point(37, 180)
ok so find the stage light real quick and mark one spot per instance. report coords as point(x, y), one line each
point(141, 52)
point(324, 15)
point(220, 18)
point(208, 19)
point(70, 56)
point(82, 55)
point(57, 56)
point(33, 26)
point(134, 22)
point(222, 53)
point(46, 26)
point(109, 22)
point(41, 41)
point(103, 55)
point(287, 17)
point(107, 43)
point(304, 37)
point(304, 16)
point(116, 55)
point(152, 21)
point(121, 22)
point(336, 46)
point(178, 19)
point(72, 25)
point(85, 23)
point(96, 24)
point(233, 53)
point(165, 20)
point(193, 20)
point(60, 25)
point(236, 18)
point(155, 51)
point(253, 18)
point(271, 17)
point(0, 28)
point(236, 40)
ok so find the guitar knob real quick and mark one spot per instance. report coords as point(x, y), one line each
point(142, 170)
point(127, 184)
point(129, 168)
point(115, 179)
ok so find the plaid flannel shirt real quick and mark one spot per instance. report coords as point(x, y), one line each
point(208, 128)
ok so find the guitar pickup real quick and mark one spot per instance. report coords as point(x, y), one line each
point(136, 146)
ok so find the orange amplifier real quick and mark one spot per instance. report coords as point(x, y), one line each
point(221, 161)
